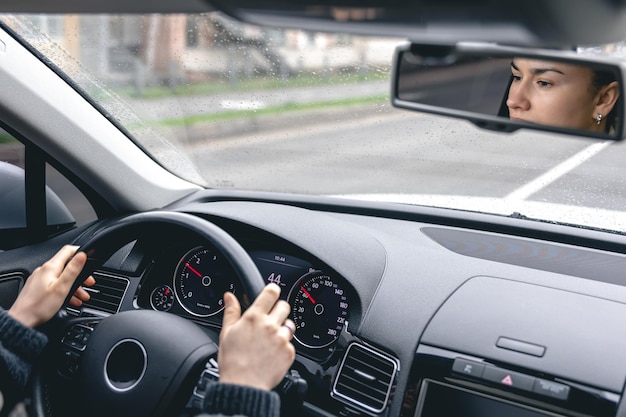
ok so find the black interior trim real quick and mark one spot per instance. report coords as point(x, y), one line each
point(35, 183)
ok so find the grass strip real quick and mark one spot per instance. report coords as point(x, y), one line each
point(253, 84)
point(267, 111)
point(6, 138)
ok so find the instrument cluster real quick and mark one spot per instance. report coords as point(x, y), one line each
point(320, 300)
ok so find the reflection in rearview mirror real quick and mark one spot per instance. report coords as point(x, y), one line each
point(508, 88)
point(560, 94)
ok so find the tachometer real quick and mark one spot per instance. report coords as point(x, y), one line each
point(200, 281)
point(319, 308)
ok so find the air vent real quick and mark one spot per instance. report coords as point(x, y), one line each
point(106, 294)
point(365, 378)
point(10, 285)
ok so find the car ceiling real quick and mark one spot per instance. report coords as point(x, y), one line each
point(551, 23)
point(104, 6)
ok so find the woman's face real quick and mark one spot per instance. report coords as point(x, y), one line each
point(552, 93)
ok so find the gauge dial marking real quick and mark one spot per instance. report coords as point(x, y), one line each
point(162, 298)
point(192, 269)
point(319, 308)
point(203, 297)
point(307, 294)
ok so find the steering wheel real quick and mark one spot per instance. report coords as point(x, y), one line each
point(130, 366)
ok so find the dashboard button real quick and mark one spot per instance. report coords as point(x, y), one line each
point(508, 378)
point(551, 389)
point(522, 347)
point(468, 368)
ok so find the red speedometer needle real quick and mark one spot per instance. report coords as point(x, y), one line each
point(193, 270)
point(307, 294)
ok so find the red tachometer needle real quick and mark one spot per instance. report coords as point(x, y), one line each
point(307, 294)
point(193, 270)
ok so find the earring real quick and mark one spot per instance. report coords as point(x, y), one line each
point(598, 119)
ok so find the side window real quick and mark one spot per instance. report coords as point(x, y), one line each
point(65, 205)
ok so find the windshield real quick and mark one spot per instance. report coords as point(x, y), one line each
point(234, 106)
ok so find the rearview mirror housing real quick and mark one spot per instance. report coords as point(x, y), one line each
point(509, 88)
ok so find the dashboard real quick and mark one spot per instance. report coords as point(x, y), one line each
point(404, 314)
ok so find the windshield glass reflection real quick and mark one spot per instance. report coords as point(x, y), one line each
point(234, 106)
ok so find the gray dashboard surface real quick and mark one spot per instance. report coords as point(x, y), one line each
point(417, 289)
point(530, 253)
point(579, 333)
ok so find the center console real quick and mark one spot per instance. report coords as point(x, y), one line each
point(500, 348)
point(451, 384)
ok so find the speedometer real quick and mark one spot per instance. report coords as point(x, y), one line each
point(200, 281)
point(319, 309)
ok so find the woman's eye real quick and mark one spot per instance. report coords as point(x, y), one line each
point(544, 83)
point(516, 78)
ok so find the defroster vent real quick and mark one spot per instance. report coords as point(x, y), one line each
point(106, 294)
point(365, 378)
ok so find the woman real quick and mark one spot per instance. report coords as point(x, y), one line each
point(42, 296)
point(564, 95)
point(254, 355)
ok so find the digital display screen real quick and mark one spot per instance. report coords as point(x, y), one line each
point(437, 400)
point(280, 269)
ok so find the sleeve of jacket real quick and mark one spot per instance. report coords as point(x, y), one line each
point(236, 400)
point(20, 347)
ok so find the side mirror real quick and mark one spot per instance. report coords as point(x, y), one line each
point(508, 88)
point(13, 230)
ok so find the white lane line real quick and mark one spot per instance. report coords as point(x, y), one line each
point(557, 172)
point(242, 104)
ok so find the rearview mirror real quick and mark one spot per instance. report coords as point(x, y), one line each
point(507, 88)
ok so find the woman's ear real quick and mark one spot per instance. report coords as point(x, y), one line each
point(606, 98)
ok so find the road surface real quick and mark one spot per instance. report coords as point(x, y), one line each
point(409, 153)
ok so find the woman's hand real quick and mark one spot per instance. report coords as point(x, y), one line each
point(255, 348)
point(47, 287)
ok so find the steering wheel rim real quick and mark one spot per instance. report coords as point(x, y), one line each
point(105, 242)
point(130, 331)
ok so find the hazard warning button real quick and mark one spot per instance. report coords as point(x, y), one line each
point(509, 378)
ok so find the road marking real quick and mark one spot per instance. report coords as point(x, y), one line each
point(242, 104)
point(557, 172)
